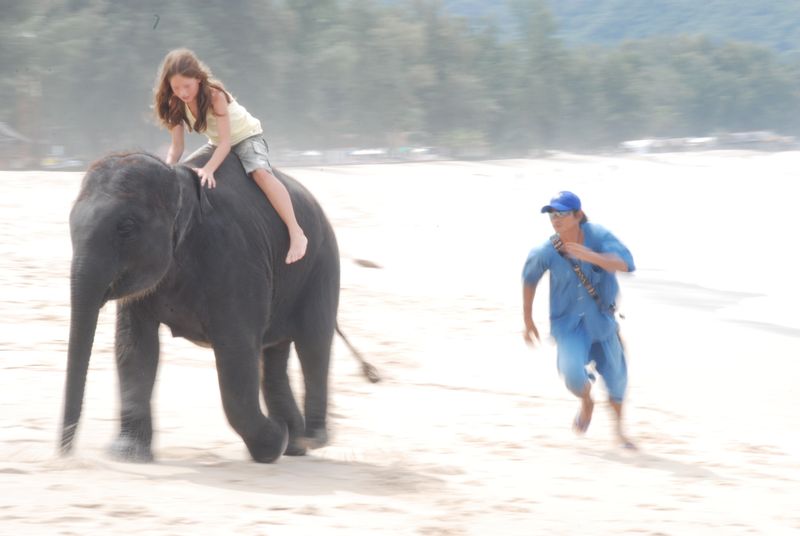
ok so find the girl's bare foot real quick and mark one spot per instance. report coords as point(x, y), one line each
point(297, 247)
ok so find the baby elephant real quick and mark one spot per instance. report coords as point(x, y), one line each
point(210, 264)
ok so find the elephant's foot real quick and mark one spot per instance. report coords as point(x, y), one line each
point(314, 438)
point(295, 448)
point(270, 446)
point(127, 449)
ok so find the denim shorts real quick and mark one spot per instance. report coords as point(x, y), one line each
point(577, 350)
point(254, 153)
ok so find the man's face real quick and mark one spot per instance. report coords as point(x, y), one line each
point(564, 220)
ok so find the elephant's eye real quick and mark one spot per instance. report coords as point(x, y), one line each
point(127, 227)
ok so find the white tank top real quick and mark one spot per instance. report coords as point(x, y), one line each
point(243, 125)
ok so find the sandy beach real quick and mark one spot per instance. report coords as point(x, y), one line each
point(469, 431)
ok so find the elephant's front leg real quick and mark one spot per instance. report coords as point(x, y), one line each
point(237, 367)
point(137, 350)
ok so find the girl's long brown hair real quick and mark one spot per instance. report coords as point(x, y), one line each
point(169, 109)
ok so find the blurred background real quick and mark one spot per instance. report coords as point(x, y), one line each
point(386, 80)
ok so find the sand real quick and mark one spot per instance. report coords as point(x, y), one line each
point(469, 431)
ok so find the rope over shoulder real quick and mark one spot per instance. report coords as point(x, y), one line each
point(559, 247)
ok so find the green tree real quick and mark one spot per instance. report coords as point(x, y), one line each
point(539, 85)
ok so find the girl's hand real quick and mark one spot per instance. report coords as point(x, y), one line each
point(206, 177)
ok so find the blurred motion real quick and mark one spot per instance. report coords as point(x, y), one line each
point(469, 431)
point(364, 81)
point(675, 120)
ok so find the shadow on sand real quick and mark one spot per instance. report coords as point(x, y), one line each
point(305, 475)
point(639, 458)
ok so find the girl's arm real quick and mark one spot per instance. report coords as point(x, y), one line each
point(219, 106)
point(176, 147)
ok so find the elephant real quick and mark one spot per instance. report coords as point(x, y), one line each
point(209, 264)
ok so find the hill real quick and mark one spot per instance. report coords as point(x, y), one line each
point(772, 23)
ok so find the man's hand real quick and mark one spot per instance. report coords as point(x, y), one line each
point(206, 177)
point(607, 261)
point(531, 334)
point(580, 252)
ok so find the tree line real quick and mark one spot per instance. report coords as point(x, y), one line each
point(772, 23)
point(350, 73)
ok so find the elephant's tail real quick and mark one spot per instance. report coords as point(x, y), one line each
point(367, 369)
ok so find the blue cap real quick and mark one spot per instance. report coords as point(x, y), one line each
point(563, 201)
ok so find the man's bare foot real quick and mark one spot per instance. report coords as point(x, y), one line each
point(297, 247)
point(622, 439)
point(624, 442)
point(584, 417)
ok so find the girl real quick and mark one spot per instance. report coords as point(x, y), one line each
point(187, 94)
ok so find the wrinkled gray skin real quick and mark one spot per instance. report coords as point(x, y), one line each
point(210, 265)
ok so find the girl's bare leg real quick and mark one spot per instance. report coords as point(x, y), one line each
point(279, 198)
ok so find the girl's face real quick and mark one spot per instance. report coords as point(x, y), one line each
point(184, 88)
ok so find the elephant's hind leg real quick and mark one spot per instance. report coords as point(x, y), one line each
point(278, 395)
point(314, 352)
point(237, 367)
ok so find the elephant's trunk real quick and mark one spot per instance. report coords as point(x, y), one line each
point(87, 297)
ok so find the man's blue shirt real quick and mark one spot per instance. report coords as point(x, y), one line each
point(570, 303)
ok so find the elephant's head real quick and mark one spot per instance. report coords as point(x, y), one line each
point(123, 233)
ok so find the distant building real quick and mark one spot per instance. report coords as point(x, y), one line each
point(760, 139)
point(757, 140)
